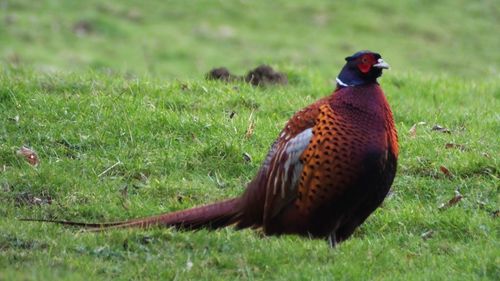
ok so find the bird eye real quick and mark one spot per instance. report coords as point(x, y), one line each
point(364, 60)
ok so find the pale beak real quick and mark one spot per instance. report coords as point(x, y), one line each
point(381, 64)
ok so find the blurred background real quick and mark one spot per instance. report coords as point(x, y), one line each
point(184, 39)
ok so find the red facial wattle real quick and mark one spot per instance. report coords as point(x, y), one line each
point(366, 62)
point(365, 68)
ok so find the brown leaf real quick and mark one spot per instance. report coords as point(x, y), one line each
point(453, 201)
point(445, 171)
point(495, 214)
point(29, 155)
point(251, 127)
point(413, 129)
point(460, 147)
point(441, 129)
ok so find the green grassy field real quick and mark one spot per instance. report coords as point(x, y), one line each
point(113, 100)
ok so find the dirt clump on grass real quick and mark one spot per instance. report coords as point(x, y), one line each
point(265, 75)
point(223, 74)
point(262, 75)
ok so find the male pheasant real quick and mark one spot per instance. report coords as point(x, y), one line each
point(330, 168)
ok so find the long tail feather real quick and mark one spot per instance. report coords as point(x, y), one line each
point(73, 223)
point(212, 216)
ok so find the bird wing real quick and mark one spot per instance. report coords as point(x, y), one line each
point(284, 169)
point(300, 167)
point(283, 166)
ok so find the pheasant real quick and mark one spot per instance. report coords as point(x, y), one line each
point(330, 168)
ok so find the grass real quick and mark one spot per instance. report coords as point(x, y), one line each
point(124, 93)
point(179, 39)
point(179, 148)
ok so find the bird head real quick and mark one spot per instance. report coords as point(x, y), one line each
point(361, 68)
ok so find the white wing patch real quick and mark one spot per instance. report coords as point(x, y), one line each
point(290, 154)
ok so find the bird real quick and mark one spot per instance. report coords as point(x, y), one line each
point(331, 166)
